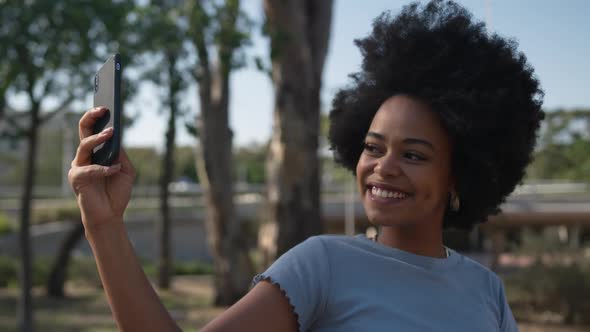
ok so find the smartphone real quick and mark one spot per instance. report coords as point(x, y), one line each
point(107, 93)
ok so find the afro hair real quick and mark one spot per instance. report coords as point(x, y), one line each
point(482, 89)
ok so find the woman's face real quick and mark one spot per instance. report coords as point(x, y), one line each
point(404, 172)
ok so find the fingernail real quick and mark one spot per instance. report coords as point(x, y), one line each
point(107, 131)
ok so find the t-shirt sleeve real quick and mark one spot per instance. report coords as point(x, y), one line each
point(507, 323)
point(302, 274)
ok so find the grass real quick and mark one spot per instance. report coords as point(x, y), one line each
point(529, 292)
point(86, 307)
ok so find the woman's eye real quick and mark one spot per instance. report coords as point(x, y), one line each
point(372, 148)
point(414, 156)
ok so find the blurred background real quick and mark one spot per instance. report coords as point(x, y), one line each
point(225, 116)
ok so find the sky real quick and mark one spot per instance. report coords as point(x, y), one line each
point(554, 35)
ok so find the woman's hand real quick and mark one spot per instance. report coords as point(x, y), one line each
point(102, 192)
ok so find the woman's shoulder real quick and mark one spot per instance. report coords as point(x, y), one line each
point(328, 241)
point(328, 245)
point(478, 267)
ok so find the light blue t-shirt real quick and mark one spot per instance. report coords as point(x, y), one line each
point(341, 283)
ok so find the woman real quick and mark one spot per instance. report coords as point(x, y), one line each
point(438, 127)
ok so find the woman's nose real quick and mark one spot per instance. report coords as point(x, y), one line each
point(388, 166)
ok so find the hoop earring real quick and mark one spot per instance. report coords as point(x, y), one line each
point(455, 202)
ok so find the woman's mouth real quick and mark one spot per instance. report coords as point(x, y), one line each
point(386, 195)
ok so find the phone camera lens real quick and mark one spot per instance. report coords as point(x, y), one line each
point(95, 83)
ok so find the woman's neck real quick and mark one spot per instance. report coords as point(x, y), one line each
point(417, 240)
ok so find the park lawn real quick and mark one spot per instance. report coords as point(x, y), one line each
point(86, 309)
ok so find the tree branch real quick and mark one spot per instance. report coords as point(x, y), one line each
point(14, 128)
point(60, 108)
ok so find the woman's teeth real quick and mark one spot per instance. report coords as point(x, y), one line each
point(387, 194)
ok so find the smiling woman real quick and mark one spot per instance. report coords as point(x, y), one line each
point(438, 128)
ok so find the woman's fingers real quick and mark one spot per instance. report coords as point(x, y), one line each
point(83, 175)
point(84, 154)
point(86, 124)
point(126, 166)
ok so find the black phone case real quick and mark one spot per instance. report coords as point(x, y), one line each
point(107, 93)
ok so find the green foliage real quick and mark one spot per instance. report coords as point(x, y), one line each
point(49, 51)
point(83, 269)
point(52, 47)
point(560, 289)
point(563, 161)
point(534, 241)
point(6, 226)
point(41, 270)
point(180, 268)
point(53, 214)
point(80, 269)
point(250, 163)
point(8, 271)
point(564, 149)
point(13, 162)
point(146, 163)
point(185, 166)
point(192, 268)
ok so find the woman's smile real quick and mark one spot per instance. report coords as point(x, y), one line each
point(386, 194)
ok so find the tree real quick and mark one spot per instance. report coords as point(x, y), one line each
point(564, 146)
point(160, 27)
point(218, 32)
point(299, 32)
point(58, 273)
point(47, 51)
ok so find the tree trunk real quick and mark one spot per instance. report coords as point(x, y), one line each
point(25, 307)
point(165, 259)
point(58, 274)
point(299, 33)
point(232, 264)
point(233, 267)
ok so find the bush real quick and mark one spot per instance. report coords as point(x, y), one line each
point(8, 271)
point(180, 268)
point(561, 289)
point(6, 226)
point(62, 213)
point(83, 268)
point(41, 269)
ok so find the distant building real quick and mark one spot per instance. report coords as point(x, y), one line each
point(56, 137)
